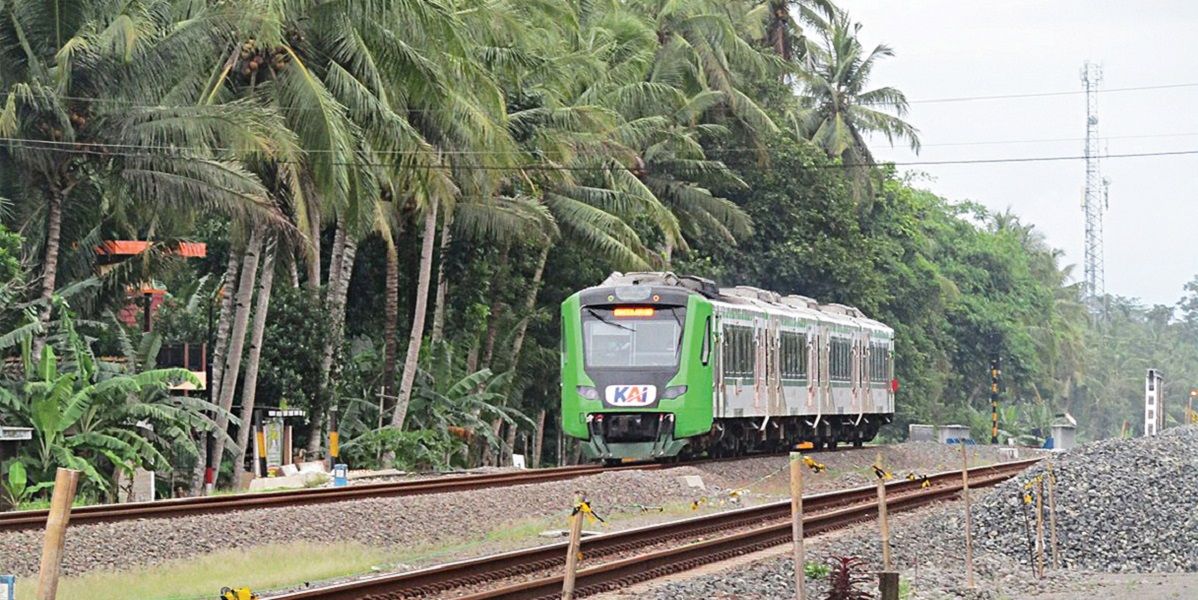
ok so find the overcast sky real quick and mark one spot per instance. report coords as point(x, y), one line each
point(955, 48)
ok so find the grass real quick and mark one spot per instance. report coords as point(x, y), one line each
point(260, 568)
point(516, 533)
point(275, 566)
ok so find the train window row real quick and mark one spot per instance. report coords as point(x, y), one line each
point(739, 354)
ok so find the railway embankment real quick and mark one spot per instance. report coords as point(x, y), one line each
point(421, 530)
point(1126, 526)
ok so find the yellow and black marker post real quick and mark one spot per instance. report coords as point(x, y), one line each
point(334, 438)
point(995, 373)
point(260, 441)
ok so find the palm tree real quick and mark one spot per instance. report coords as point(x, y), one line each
point(837, 111)
point(96, 113)
point(773, 23)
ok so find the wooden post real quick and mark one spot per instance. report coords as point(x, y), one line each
point(888, 585)
point(65, 481)
point(1040, 528)
point(1052, 517)
point(796, 523)
point(572, 549)
point(968, 517)
point(883, 523)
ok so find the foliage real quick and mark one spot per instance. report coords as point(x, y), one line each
point(418, 450)
point(727, 138)
point(95, 416)
point(16, 486)
point(848, 576)
point(450, 408)
point(815, 570)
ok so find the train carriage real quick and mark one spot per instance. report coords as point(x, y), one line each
point(655, 365)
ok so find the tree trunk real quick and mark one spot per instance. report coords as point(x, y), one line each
point(50, 264)
point(341, 268)
point(241, 319)
point(489, 452)
point(530, 303)
point(416, 338)
point(293, 270)
point(539, 442)
point(314, 259)
point(510, 449)
point(439, 307)
point(249, 388)
point(496, 311)
point(217, 358)
point(391, 320)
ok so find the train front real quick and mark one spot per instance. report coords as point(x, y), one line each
point(636, 370)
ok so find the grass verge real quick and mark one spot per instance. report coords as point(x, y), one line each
point(260, 568)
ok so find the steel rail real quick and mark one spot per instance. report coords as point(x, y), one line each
point(236, 502)
point(835, 508)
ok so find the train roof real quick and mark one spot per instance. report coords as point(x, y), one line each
point(742, 295)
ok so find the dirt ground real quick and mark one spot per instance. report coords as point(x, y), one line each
point(1137, 586)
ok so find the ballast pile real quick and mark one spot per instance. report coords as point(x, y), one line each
point(1123, 505)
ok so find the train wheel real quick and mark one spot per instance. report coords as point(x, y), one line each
point(858, 443)
point(612, 462)
point(830, 444)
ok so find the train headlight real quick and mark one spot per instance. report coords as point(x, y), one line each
point(673, 392)
point(588, 392)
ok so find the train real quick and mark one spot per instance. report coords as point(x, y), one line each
point(659, 366)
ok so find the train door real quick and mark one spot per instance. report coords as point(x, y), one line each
point(717, 333)
point(777, 401)
point(760, 363)
point(855, 375)
point(827, 404)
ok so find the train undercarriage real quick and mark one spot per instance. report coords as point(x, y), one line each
point(615, 436)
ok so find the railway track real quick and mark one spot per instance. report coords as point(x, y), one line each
point(636, 555)
point(104, 513)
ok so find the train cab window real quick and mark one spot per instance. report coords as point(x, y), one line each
point(840, 360)
point(739, 353)
point(611, 341)
point(794, 355)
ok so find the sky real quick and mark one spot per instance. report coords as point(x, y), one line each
point(965, 48)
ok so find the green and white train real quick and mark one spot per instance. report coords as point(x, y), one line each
point(656, 365)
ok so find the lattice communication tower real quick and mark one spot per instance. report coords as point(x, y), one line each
point(1095, 196)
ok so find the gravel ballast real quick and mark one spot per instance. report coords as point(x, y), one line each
point(401, 523)
point(1123, 505)
point(456, 525)
point(927, 547)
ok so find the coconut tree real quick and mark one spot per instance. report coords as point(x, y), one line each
point(782, 25)
point(96, 113)
point(837, 108)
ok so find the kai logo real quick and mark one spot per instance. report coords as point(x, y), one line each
point(631, 395)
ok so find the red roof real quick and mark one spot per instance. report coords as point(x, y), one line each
point(134, 247)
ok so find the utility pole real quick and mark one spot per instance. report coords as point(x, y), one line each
point(1095, 197)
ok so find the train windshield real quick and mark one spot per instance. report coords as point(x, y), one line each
point(632, 337)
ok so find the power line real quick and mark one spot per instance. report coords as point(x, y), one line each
point(1063, 139)
point(951, 99)
point(1049, 94)
point(175, 153)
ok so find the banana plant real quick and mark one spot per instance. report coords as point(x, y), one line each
point(93, 416)
point(15, 488)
